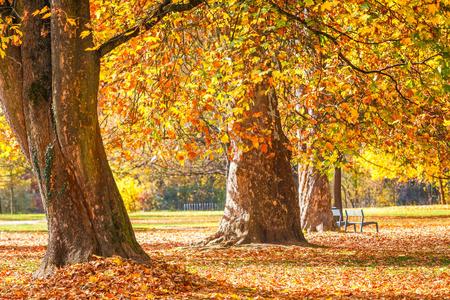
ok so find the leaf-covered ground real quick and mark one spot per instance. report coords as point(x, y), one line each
point(408, 259)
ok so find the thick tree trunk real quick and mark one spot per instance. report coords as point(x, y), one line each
point(57, 126)
point(315, 200)
point(337, 188)
point(261, 202)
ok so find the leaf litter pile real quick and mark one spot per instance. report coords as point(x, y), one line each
point(408, 259)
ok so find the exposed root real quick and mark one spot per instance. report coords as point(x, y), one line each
point(221, 239)
point(53, 261)
point(45, 270)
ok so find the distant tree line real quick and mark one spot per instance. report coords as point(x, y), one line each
point(358, 190)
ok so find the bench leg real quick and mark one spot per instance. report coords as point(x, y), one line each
point(354, 227)
point(361, 228)
point(376, 224)
point(345, 227)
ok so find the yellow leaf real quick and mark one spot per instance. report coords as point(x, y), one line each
point(433, 8)
point(85, 34)
point(354, 115)
point(93, 48)
point(328, 5)
point(44, 10)
point(71, 21)
point(225, 139)
point(47, 15)
point(117, 261)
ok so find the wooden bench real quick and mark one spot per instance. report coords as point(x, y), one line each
point(357, 213)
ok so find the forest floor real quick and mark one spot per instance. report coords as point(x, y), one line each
point(408, 259)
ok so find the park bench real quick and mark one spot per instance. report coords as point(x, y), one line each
point(337, 216)
point(359, 214)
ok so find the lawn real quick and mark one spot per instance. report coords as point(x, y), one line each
point(409, 211)
point(140, 220)
point(183, 219)
point(408, 259)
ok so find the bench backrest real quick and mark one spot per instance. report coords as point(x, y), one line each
point(336, 212)
point(354, 213)
point(337, 215)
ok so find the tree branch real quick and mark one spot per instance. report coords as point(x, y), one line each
point(8, 9)
point(153, 17)
point(346, 60)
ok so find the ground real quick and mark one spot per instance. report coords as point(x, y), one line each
point(409, 259)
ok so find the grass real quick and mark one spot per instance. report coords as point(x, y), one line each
point(133, 215)
point(140, 220)
point(42, 227)
point(21, 217)
point(170, 214)
point(409, 211)
point(195, 219)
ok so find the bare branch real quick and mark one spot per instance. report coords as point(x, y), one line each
point(8, 9)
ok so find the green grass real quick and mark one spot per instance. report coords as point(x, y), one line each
point(133, 215)
point(24, 227)
point(195, 219)
point(409, 211)
point(167, 213)
point(21, 217)
point(42, 227)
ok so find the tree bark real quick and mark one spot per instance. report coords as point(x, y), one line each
point(52, 108)
point(442, 191)
point(337, 188)
point(315, 200)
point(261, 202)
point(11, 190)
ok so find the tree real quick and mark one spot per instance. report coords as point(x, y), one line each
point(48, 87)
point(261, 203)
point(224, 105)
point(309, 46)
point(380, 84)
point(376, 59)
point(13, 166)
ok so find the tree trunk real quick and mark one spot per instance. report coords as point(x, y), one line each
point(337, 188)
point(261, 202)
point(11, 191)
point(53, 111)
point(315, 200)
point(442, 191)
